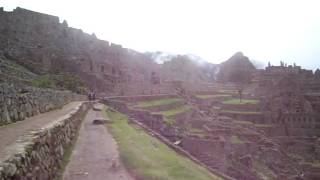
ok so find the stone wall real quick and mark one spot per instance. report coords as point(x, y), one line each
point(19, 102)
point(38, 155)
point(43, 44)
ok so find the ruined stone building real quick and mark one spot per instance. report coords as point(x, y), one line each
point(44, 45)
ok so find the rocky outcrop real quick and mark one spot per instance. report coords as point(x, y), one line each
point(38, 155)
point(19, 102)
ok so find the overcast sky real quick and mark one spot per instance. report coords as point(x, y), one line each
point(270, 30)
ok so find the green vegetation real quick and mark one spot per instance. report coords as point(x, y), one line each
point(168, 115)
point(44, 82)
point(228, 91)
point(153, 103)
point(66, 157)
point(148, 158)
point(175, 111)
point(197, 132)
point(168, 121)
point(241, 112)
point(60, 81)
point(236, 101)
point(70, 82)
point(213, 96)
point(243, 122)
point(236, 140)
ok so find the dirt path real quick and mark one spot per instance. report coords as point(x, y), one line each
point(95, 156)
point(10, 133)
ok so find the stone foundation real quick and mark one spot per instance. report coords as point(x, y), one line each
point(39, 154)
point(19, 102)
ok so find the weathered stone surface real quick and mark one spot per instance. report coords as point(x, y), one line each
point(42, 44)
point(16, 106)
point(38, 154)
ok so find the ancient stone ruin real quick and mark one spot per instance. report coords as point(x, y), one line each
point(235, 120)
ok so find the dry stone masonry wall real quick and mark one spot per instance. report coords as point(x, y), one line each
point(38, 155)
point(19, 102)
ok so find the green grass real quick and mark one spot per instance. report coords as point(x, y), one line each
point(67, 156)
point(148, 158)
point(236, 140)
point(213, 96)
point(62, 82)
point(175, 111)
point(229, 91)
point(169, 121)
point(197, 132)
point(43, 82)
point(236, 101)
point(241, 112)
point(154, 103)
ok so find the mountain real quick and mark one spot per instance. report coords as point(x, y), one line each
point(187, 67)
point(237, 68)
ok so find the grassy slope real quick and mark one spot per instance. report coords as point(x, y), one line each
point(213, 96)
point(243, 101)
point(148, 158)
point(175, 111)
point(153, 103)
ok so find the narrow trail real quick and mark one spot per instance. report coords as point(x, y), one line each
point(95, 155)
point(10, 133)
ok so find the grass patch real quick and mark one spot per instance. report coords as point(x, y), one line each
point(44, 82)
point(148, 158)
point(236, 101)
point(241, 112)
point(213, 96)
point(66, 156)
point(168, 121)
point(154, 103)
point(61, 82)
point(197, 132)
point(175, 111)
point(236, 140)
point(228, 91)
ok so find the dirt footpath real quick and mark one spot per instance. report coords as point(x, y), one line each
point(10, 133)
point(95, 156)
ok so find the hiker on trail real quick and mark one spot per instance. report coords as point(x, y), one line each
point(91, 96)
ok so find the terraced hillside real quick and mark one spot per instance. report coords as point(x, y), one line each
point(148, 158)
point(228, 135)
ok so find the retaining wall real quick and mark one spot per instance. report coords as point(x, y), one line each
point(18, 102)
point(38, 155)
